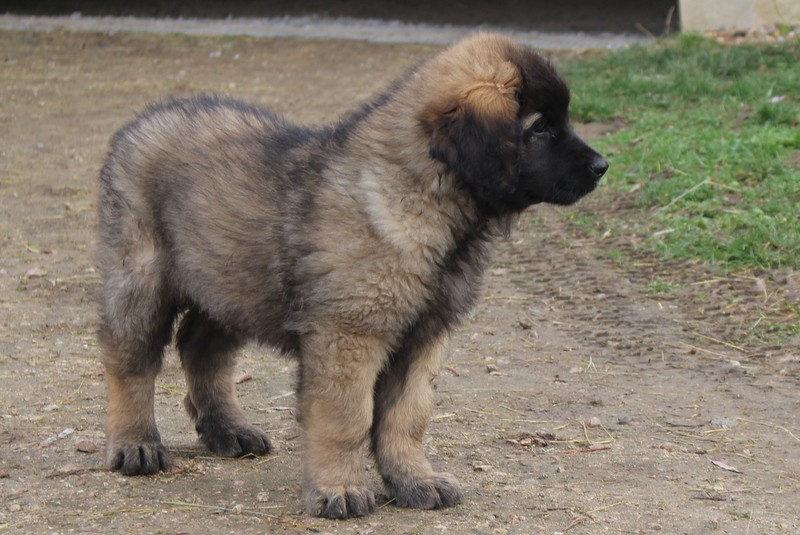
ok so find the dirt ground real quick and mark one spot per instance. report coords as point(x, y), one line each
point(574, 400)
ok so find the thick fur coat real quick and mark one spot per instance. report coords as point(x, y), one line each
point(355, 248)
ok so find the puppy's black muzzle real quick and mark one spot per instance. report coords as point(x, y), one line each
point(599, 167)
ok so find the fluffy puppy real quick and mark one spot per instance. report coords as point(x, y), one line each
point(354, 248)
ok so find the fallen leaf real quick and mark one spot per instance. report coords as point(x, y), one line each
point(761, 284)
point(243, 378)
point(454, 371)
point(35, 273)
point(68, 469)
point(727, 467)
point(86, 446)
point(715, 497)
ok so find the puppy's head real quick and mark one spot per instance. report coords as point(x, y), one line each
point(500, 123)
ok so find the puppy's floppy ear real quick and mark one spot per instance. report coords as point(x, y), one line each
point(474, 130)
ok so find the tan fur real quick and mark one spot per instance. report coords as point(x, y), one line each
point(131, 425)
point(398, 434)
point(336, 409)
point(126, 399)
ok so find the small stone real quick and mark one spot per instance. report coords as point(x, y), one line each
point(668, 446)
point(624, 420)
point(262, 497)
point(237, 509)
point(594, 421)
point(719, 422)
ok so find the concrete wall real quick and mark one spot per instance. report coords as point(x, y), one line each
point(740, 14)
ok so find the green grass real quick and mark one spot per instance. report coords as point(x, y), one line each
point(710, 144)
point(661, 287)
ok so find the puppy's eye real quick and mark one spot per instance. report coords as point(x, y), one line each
point(536, 125)
point(540, 127)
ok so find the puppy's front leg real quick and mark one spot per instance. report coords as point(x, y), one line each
point(337, 376)
point(403, 405)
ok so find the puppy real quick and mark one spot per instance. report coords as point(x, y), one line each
point(354, 248)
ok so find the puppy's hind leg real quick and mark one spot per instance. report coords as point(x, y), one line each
point(207, 353)
point(403, 406)
point(136, 325)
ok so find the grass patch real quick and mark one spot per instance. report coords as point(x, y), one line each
point(661, 287)
point(711, 145)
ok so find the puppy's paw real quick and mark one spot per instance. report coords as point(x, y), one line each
point(434, 492)
point(339, 502)
point(234, 441)
point(137, 458)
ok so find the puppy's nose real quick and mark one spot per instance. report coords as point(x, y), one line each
point(599, 167)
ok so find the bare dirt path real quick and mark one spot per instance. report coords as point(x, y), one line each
point(312, 27)
point(574, 400)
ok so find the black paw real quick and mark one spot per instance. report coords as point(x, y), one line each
point(434, 492)
point(339, 502)
point(137, 458)
point(234, 441)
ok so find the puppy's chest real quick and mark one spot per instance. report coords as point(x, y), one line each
point(397, 298)
point(386, 274)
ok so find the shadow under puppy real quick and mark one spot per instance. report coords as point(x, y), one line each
point(354, 248)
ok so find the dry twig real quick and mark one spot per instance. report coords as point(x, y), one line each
point(590, 449)
point(774, 426)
